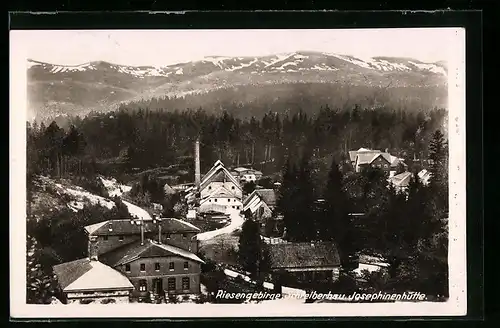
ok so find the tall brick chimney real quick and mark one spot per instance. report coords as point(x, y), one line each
point(93, 248)
point(197, 174)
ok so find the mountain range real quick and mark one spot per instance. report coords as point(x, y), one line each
point(55, 90)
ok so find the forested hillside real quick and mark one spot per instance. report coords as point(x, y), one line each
point(130, 141)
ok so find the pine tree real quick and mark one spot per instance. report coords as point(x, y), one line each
point(286, 201)
point(438, 183)
point(250, 247)
point(336, 224)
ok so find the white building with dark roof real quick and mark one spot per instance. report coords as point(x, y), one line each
point(90, 281)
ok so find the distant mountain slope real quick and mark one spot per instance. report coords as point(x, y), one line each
point(100, 86)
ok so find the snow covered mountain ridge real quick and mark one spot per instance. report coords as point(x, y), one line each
point(288, 62)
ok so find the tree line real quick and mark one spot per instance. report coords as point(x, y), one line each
point(124, 141)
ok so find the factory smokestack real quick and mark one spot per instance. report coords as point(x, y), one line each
point(197, 174)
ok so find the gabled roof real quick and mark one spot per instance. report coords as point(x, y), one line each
point(303, 255)
point(126, 227)
point(218, 167)
point(85, 274)
point(366, 158)
point(150, 248)
point(401, 180)
point(220, 192)
point(268, 196)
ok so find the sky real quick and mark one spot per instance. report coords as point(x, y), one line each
point(166, 47)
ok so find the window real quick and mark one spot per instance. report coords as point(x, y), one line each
point(171, 266)
point(88, 293)
point(186, 265)
point(143, 267)
point(184, 236)
point(157, 266)
point(120, 238)
point(232, 206)
point(143, 285)
point(105, 237)
point(237, 207)
point(185, 283)
point(232, 187)
point(168, 236)
point(127, 267)
point(215, 200)
point(171, 283)
point(209, 187)
point(209, 200)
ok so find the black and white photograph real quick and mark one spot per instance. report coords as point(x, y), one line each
point(235, 173)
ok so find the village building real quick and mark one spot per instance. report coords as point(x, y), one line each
point(218, 191)
point(424, 176)
point(246, 174)
point(261, 203)
point(364, 157)
point(156, 256)
point(156, 268)
point(401, 181)
point(87, 281)
point(304, 262)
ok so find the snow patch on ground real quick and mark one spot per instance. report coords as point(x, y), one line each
point(81, 195)
point(137, 212)
point(114, 188)
point(241, 66)
point(430, 67)
point(179, 71)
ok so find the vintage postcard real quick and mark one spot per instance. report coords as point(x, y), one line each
point(236, 173)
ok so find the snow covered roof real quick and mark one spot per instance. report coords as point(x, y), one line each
point(150, 248)
point(268, 196)
point(218, 167)
point(401, 180)
point(89, 275)
point(424, 176)
point(303, 255)
point(127, 227)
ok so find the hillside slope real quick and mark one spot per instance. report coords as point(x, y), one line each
point(100, 86)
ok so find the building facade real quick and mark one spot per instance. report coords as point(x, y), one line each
point(157, 256)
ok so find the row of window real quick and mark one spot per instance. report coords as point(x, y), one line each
point(120, 238)
point(210, 187)
point(380, 165)
point(171, 266)
point(143, 284)
point(228, 200)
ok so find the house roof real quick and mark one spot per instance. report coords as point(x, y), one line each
point(127, 227)
point(366, 156)
point(401, 180)
point(267, 195)
point(303, 255)
point(354, 153)
point(86, 274)
point(424, 176)
point(214, 174)
point(130, 252)
point(168, 190)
